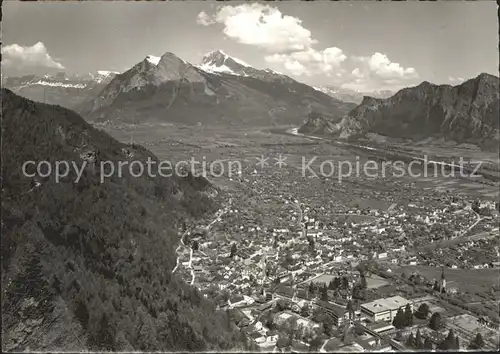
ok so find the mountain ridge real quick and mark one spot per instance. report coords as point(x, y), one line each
point(464, 113)
point(61, 89)
point(353, 96)
point(177, 91)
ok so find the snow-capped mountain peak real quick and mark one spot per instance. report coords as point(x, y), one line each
point(219, 62)
point(153, 60)
point(219, 57)
point(107, 73)
point(104, 75)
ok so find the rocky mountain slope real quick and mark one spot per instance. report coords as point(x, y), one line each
point(221, 90)
point(317, 124)
point(87, 265)
point(60, 89)
point(347, 95)
point(466, 113)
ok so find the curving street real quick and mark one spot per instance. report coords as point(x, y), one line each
point(218, 216)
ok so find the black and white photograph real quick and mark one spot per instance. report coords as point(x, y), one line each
point(250, 176)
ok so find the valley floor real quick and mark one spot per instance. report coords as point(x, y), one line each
point(291, 227)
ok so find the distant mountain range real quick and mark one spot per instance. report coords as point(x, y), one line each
point(86, 266)
point(466, 113)
point(221, 90)
point(225, 90)
point(61, 89)
point(348, 95)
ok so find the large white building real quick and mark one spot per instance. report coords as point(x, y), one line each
point(384, 309)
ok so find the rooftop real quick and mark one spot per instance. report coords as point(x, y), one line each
point(390, 303)
point(338, 310)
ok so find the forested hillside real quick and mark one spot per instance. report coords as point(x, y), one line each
point(87, 265)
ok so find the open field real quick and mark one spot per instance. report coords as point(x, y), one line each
point(173, 142)
point(364, 203)
point(472, 280)
point(452, 152)
point(176, 143)
point(325, 278)
point(373, 281)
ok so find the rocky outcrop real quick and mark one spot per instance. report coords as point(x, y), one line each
point(317, 124)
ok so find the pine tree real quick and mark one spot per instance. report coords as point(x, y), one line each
point(328, 325)
point(423, 311)
point(324, 293)
point(399, 319)
point(234, 249)
point(418, 340)
point(31, 282)
point(358, 292)
point(428, 344)
point(311, 288)
point(345, 282)
point(336, 282)
point(435, 321)
point(450, 338)
point(477, 342)
point(105, 337)
point(364, 283)
point(56, 285)
point(457, 343)
point(408, 316)
point(81, 311)
point(304, 311)
point(410, 341)
point(350, 308)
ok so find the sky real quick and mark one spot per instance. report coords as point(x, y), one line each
point(360, 45)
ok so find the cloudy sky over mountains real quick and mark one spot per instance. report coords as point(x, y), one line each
point(356, 45)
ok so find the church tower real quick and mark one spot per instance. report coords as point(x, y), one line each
point(442, 283)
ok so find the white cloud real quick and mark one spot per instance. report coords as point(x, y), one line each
point(357, 73)
point(29, 56)
point(261, 25)
point(296, 68)
point(381, 65)
point(204, 19)
point(315, 62)
point(289, 45)
point(379, 72)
